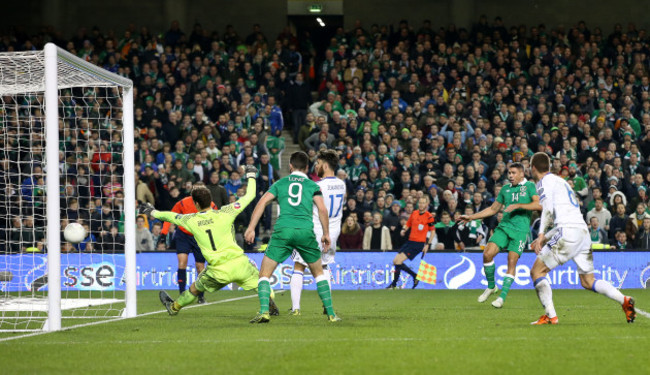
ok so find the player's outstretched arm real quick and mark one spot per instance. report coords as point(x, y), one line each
point(266, 199)
point(324, 220)
point(532, 206)
point(168, 216)
point(490, 211)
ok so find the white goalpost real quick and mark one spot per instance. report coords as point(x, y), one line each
point(66, 155)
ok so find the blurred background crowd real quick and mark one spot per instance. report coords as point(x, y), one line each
point(412, 110)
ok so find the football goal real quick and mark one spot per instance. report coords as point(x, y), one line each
point(66, 155)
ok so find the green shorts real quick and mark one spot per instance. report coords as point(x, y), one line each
point(510, 240)
point(284, 240)
point(238, 270)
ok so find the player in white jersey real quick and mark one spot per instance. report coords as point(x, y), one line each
point(333, 190)
point(567, 239)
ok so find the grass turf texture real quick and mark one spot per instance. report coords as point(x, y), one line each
point(396, 332)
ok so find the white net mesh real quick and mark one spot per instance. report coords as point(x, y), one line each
point(91, 155)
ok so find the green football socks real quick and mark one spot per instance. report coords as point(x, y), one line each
point(323, 288)
point(186, 298)
point(489, 274)
point(507, 281)
point(264, 293)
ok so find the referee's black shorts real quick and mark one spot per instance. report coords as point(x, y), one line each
point(411, 249)
point(186, 244)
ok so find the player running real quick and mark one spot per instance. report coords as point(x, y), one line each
point(421, 222)
point(214, 234)
point(185, 242)
point(294, 229)
point(568, 239)
point(333, 190)
point(520, 200)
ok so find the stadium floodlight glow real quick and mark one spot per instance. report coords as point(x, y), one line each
point(320, 21)
point(46, 95)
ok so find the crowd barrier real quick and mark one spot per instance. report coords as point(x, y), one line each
point(352, 271)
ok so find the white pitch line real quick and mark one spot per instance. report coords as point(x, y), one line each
point(120, 319)
point(644, 313)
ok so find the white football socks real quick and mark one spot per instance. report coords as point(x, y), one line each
point(296, 289)
point(326, 273)
point(545, 295)
point(608, 290)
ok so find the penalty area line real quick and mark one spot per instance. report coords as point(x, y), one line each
point(121, 319)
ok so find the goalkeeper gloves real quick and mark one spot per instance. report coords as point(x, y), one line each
point(145, 209)
point(250, 171)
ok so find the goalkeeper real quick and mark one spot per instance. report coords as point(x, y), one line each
point(214, 234)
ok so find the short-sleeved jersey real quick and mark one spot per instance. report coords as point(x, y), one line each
point(213, 229)
point(523, 193)
point(295, 195)
point(558, 199)
point(333, 190)
point(420, 224)
point(184, 206)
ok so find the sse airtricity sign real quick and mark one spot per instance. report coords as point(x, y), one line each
point(352, 271)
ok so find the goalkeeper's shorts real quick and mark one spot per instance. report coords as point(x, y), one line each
point(239, 270)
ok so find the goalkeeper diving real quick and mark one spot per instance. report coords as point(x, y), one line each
point(214, 233)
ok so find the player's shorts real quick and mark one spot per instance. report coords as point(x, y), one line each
point(566, 244)
point(510, 240)
point(412, 248)
point(239, 270)
point(328, 256)
point(285, 240)
point(186, 244)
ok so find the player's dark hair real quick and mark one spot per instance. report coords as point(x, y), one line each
point(330, 157)
point(516, 165)
point(541, 162)
point(299, 160)
point(202, 197)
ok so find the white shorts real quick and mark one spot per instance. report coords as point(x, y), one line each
point(328, 256)
point(569, 244)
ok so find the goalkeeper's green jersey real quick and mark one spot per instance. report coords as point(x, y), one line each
point(295, 195)
point(213, 229)
point(518, 220)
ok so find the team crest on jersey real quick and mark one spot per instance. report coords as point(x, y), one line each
point(236, 205)
point(522, 189)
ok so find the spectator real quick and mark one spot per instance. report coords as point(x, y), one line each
point(603, 215)
point(351, 237)
point(618, 221)
point(217, 191)
point(620, 242)
point(112, 241)
point(143, 193)
point(472, 234)
point(233, 183)
point(643, 236)
point(376, 236)
point(445, 232)
point(598, 235)
point(143, 237)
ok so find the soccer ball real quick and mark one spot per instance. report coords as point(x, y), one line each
point(74, 233)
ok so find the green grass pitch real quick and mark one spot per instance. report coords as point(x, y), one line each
point(383, 332)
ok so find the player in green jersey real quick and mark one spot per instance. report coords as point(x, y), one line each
point(294, 229)
point(213, 232)
point(520, 199)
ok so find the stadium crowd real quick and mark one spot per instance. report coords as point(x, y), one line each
point(412, 112)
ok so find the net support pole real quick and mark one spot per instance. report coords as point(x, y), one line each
point(129, 206)
point(53, 188)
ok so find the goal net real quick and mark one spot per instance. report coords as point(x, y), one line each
point(66, 155)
